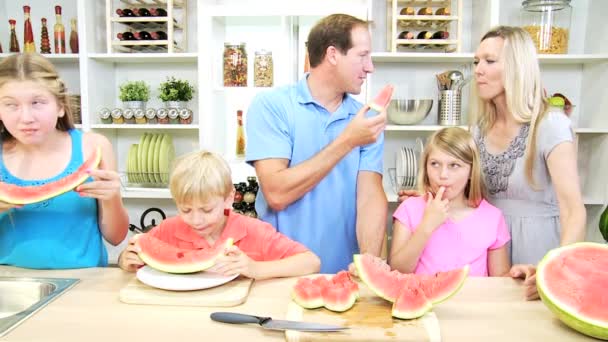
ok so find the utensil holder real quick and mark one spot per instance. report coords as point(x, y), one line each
point(449, 107)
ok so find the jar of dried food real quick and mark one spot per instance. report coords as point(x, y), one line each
point(548, 22)
point(163, 115)
point(185, 116)
point(173, 114)
point(140, 116)
point(263, 70)
point(117, 117)
point(129, 115)
point(105, 116)
point(235, 65)
point(151, 115)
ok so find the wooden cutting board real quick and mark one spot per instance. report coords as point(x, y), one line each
point(230, 294)
point(369, 320)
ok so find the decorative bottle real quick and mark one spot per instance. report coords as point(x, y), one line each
point(28, 34)
point(45, 43)
point(240, 134)
point(73, 36)
point(14, 45)
point(59, 32)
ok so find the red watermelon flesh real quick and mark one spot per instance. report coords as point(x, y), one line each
point(382, 99)
point(307, 294)
point(339, 297)
point(411, 303)
point(571, 281)
point(443, 285)
point(375, 271)
point(165, 257)
point(10, 193)
point(336, 293)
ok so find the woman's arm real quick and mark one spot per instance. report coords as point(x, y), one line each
point(564, 176)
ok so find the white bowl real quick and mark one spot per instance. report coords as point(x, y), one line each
point(408, 112)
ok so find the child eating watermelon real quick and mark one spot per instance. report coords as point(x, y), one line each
point(201, 186)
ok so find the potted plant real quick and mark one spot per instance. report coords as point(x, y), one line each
point(175, 93)
point(134, 94)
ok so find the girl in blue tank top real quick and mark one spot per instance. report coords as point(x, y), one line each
point(39, 145)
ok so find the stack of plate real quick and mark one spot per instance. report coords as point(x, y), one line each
point(406, 165)
point(149, 161)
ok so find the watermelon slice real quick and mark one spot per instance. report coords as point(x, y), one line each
point(571, 281)
point(377, 275)
point(14, 194)
point(171, 259)
point(443, 285)
point(382, 99)
point(411, 303)
point(307, 294)
point(337, 293)
point(339, 297)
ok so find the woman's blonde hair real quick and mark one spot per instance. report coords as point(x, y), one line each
point(458, 143)
point(34, 67)
point(523, 90)
point(200, 176)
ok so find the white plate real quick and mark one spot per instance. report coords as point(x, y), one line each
point(181, 282)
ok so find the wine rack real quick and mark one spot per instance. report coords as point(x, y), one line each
point(410, 29)
point(162, 29)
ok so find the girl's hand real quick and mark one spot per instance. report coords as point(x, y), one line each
point(528, 274)
point(129, 259)
point(234, 261)
point(8, 206)
point(105, 185)
point(436, 211)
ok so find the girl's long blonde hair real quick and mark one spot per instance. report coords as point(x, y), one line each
point(523, 90)
point(458, 143)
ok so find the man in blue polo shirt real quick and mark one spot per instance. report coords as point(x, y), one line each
point(318, 153)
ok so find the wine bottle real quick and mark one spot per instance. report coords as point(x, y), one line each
point(125, 12)
point(159, 35)
point(407, 11)
point(143, 35)
point(440, 35)
point(443, 11)
point(126, 36)
point(143, 12)
point(405, 35)
point(425, 11)
point(158, 12)
point(423, 35)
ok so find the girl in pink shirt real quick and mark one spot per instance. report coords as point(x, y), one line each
point(452, 225)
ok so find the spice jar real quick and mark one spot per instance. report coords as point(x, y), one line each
point(105, 116)
point(151, 115)
point(129, 116)
point(237, 208)
point(548, 23)
point(263, 70)
point(249, 210)
point(235, 65)
point(140, 116)
point(173, 115)
point(185, 116)
point(163, 116)
point(117, 117)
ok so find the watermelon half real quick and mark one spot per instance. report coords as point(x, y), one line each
point(572, 282)
point(382, 99)
point(171, 259)
point(14, 194)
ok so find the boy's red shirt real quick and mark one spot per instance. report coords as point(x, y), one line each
point(256, 238)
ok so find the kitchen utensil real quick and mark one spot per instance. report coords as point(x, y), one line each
point(455, 77)
point(274, 324)
point(232, 293)
point(181, 282)
point(449, 108)
point(408, 112)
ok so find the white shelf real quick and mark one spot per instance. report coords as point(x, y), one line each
point(573, 59)
point(146, 193)
point(187, 57)
point(417, 128)
point(146, 126)
point(593, 201)
point(441, 57)
point(591, 130)
point(286, 8)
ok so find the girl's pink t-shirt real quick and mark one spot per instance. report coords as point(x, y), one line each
point(455, 244)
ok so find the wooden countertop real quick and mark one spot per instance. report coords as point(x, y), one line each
point(486, 309)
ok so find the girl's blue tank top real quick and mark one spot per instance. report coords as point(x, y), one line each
point(61, 232)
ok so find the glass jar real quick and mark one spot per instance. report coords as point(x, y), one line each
point(151, 115)
point(105, 116)
point(117, 117)
point(185, 116)
point(129, 115)
point(163, 115)
point(140, 116)
point(173, 114)
point(548, 23)
point(263, 70)
point(235, 65)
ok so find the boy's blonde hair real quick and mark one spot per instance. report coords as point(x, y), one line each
point(200, 176)
point(34, 67)
point(523, 90)
point(459, 144)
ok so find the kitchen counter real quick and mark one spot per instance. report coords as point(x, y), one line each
point(486, 309)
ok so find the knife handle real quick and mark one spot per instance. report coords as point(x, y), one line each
point(235, 318)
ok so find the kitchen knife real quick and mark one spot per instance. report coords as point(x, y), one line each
point(273, 324)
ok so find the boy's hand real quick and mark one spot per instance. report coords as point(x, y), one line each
point(528, 274)
point(129, 259)
point(436, 211)
point(234, 261)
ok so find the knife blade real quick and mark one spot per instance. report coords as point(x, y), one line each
point(273, 324)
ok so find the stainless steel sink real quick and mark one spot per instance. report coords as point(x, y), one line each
point(22, 297)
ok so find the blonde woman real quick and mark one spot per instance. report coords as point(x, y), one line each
point(38, 145)
point(201, 186)
point(452, 225)
point(528, 155)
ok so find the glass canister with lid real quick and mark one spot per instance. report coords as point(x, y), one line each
point(263, 69)
point(548, 23)
point(235, 65)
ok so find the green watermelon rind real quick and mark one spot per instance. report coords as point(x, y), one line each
point(464, 272)
point(80, 176)
point(365, 277)
point(411, 314)
point(191, 267)
point(565, 313)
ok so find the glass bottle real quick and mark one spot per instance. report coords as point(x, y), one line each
point(548, 23)
point(59, 32)
point(73, 36)
point(235, 65)
point(45, 43)
point(263, 70)
point(14, 45)
point(240, 134)
point(28, 34)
